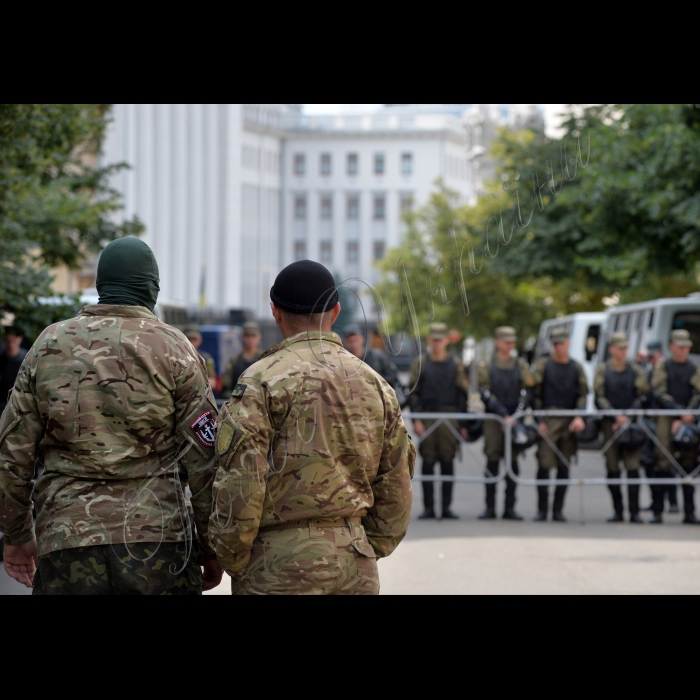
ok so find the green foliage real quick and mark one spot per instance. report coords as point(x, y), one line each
point(55, 202)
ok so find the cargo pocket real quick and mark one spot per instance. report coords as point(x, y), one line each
point(10, 420)
point(361, 545)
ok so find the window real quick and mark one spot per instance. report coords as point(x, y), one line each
point(592, 341)
point(353, 251)
point(326, 252)
point(326, 208)
point(353, 207)
point(379, 164)
point(300, 208)
point(325, 163)
point(352, 164)
point(406, 203)
point(689, 321)
point(299, 250)
point(406, 163)
point(299, 164)
point(379, 208)
point(651, 319)
point(379, 250)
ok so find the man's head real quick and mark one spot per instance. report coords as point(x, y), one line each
point(127, 274)
point(560, 344)
point(13, 341)
point(505, 340)
point(438, 338)
point(304, 298)
point(655, 349)
point(355, 341)
point(194, 335)
point(618, 347)
point(680, 345)
point(251, 336)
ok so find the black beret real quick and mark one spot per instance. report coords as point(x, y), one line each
point(304, 287)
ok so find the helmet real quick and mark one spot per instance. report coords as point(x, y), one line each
point(687, 438)
point(632, 438)
point(591, 431)
point(523, 436)
point(475, 428)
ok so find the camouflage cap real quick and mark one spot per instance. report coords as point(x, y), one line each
point(559, 335)
point(251, 328)
point(506, 333)
point(437, 331)
point(619, 340)
point(681, 338)
point(655, 346)
point(192, 331)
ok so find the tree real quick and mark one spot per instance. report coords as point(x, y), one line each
point(55, 202)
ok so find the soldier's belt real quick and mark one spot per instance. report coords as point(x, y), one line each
point(316, 522)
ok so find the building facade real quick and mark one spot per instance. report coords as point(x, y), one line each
point(231, 193)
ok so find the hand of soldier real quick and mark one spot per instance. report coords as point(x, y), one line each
point(21, 562)
point(619, 421)
point(418, 427)
point(464, 433)
point(577, 425)
point(212, 573)
point(543, 429)
point(688, 420)
point(675, 425)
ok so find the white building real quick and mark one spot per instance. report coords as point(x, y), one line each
point(232, 193)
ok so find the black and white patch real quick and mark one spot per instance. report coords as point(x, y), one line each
point(203, 428)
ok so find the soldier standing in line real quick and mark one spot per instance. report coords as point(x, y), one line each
point(619, 384)
point(315, 462)
point(122, 409)
point(560, 384)
point(506, 388)
point(239, 364)
point(354, 342)
point(194, 335)
point(676, 384)
point(441, 385)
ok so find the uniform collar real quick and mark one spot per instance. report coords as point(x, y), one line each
point(304, 336)
point(117, 310)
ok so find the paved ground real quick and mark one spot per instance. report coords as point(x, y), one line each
point(584, 555)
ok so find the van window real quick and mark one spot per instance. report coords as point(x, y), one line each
point(689, 321)
point(592, 341)
point(651, 319)
point(640, 319)
point(616, 324)
point(626, 320)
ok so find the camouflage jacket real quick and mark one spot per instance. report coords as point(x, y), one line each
point(454, 398)
point(538, 370)
point(641, 384)
point(659, 385)
point(310, 432)
point(110, 399)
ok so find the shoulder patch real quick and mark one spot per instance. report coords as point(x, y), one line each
point(227, 436)
point(203, 428)
point(239, 390)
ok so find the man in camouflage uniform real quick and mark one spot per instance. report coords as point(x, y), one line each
point(120, 407)
point(440, 383)
point(560, 384)
point(315, 461)
point(620, 385)
point(239, 364)
point(676, 385)
point(194, 335)
point(506, 388)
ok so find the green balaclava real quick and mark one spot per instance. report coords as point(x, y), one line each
point(127, 274)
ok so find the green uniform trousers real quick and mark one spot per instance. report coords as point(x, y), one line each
point(687, 460)
point(631, 459)
point(495, 441)
point(565, 441)
point(310, 561)
point(141, 569)
point(441, 445)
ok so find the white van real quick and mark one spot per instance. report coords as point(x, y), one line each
point(653, 320)
point(584, 330)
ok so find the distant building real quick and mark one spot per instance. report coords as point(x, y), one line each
point(231, 193)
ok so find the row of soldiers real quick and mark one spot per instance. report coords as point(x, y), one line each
point(297, 485)
point(557, 382)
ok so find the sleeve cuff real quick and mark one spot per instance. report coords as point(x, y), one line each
point(232, 565)
point(19, 539)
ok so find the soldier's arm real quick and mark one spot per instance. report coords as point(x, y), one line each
point(195, 414)
point(387, 521)
point(528, 383)
point(659, 383)
point(538, 378)
point(582, 388)
point(414, 383)
point(244, 432)
point(491, 402)
point(21, 430)
point(641, 384)
point(695, 381)
point(462, 385)
point(601, 400)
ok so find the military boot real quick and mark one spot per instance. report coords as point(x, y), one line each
point(509, 512)
point(689, 505)
point(490, 512)
point(542, 497)
point(633, 496)
point(559, 496)
point(447, 469)
point(428, 492)
point(616, 493)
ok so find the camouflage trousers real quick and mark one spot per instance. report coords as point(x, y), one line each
point(565, 441)
point(441, 445)
point(142, 569)
point(687, 460)
point(310, 561)
point(630, 458)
